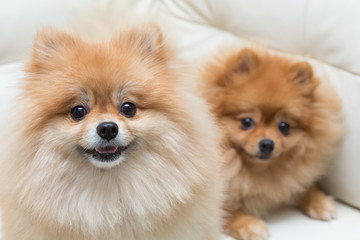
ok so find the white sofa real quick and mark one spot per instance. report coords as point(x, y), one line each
point(325, 31)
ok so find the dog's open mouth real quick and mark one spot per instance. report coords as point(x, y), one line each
point(106, 153)
point(107, 150)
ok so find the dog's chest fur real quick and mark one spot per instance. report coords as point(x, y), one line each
point(259, 192)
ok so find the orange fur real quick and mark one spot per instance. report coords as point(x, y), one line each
point(166, 185)
point(271, 89)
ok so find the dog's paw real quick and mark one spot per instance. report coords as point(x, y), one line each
point(319, 206)
point(249, 228)
point(254, 231)
point(322, 209)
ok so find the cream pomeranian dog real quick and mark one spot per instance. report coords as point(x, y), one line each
point(105, 143)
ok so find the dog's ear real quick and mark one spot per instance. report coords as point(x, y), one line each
point(146, 38)
point(48, 43)
point(248, 61)
point(302, 75)
point(237, 67)
point(151, 38)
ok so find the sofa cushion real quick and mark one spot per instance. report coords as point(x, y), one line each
point(94, 19)
point(290, 224)
point(324, 30)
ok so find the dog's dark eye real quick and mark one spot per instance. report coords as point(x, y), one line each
point(284, 128)
point(128, 109)
point(77, 113)
point(247, 123)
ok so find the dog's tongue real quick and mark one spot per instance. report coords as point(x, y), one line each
point(104, 150)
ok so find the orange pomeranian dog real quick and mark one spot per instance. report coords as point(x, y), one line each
point(281, 126)
point(107, 144)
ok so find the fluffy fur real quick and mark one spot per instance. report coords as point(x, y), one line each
point(163, 186)
point(270, 90)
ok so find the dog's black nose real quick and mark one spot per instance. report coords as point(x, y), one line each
point(266, 146)
point(107, 130)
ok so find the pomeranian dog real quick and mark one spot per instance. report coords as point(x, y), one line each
point(107, 143)
point(281, 127)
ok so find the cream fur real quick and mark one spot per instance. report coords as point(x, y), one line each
point(166, 187)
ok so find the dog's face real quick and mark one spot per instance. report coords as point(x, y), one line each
point(102, 133)
point(98, 101)
point(264, 103)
